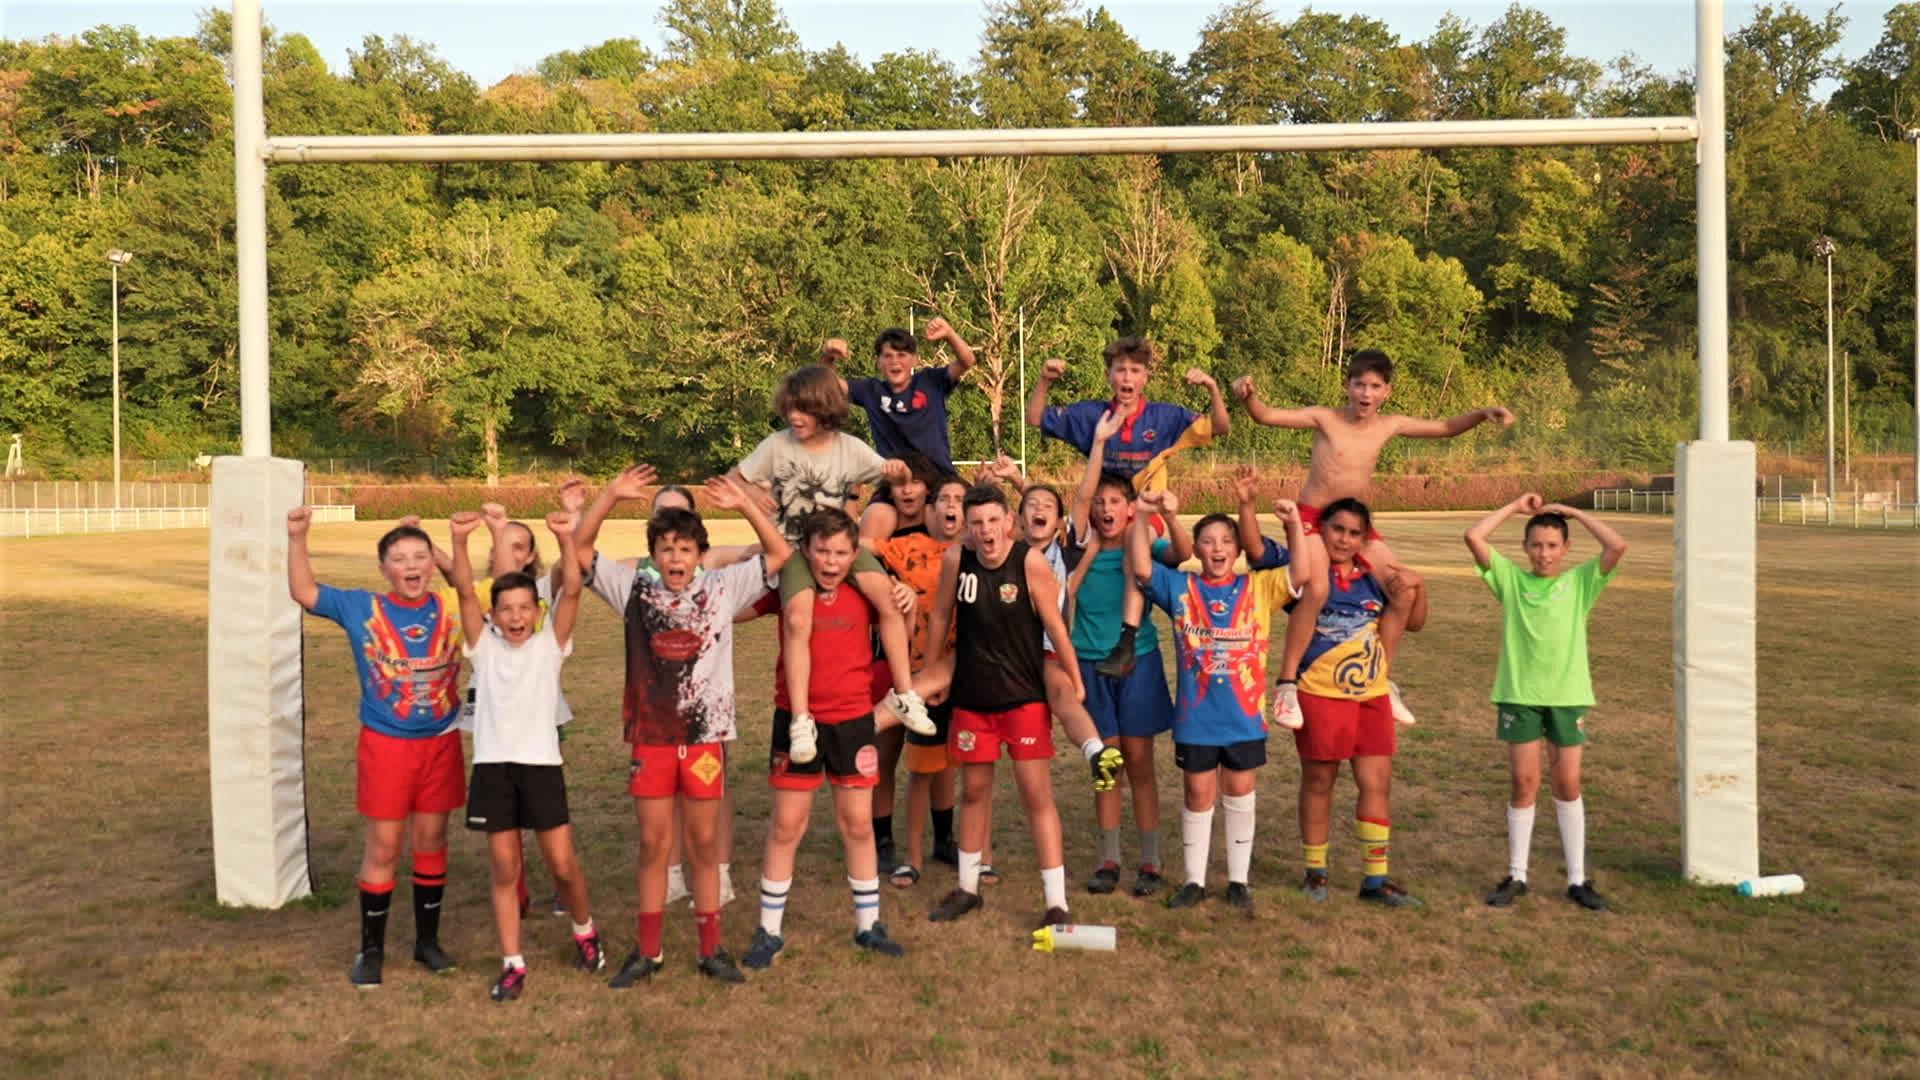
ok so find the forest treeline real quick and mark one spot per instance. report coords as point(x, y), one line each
point(606, 312)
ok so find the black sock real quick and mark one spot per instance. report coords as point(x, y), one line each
point(426, 911)
point(883, 831)
point(942, 826)
point(373, 918)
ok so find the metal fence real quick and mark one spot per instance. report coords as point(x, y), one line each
point(98, 494)
point(1867, 511)
point(26, 522)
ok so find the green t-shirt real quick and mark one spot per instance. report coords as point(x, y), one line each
point(1543, 632)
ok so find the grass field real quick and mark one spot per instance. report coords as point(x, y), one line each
point(114, 958)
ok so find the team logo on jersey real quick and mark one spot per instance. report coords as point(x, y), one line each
point(678, 646)
point(415, 633)
point(1009, 593)
point(1217, 607)
point(1371, 607)
point(964, 740)
point(1148, 436)
point(919, 399)
point(706, 768)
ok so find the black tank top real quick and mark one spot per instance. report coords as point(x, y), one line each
point(999, 662)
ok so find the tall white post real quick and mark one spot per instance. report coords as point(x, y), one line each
point(1714, 542)
point(1832, 489)
point(256, 712)
point(1915, 136)
point(115, 263)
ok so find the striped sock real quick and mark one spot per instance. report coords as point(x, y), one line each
point(429, 886)
point(375, 902)
point(866, 903)
point(1316, 856)
point(1373, 834)
point(773, 904)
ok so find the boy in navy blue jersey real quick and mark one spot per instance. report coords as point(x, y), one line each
point(1150, 431)
point(907, 405)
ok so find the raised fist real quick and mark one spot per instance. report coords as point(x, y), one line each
point(1054, 369)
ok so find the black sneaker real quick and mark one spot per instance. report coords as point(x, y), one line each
point(876, 940)
point(1390, 895)
point(948, 852)
point(365, 972)
point(762, 949)
point(720, 968)
point(588, 954)
point(1055, 916)
point(883, 852)
point(1239, 896)
point(1119, 663)
point(637, 969)
point(1148, 881)
point(1105, 879)
point(955, 904)
point(1505, 893)
point(512, 980)
point(1314, 887)
point(1106, 766)
point(431, 956)
point(1189, 895)
point(1584, 895)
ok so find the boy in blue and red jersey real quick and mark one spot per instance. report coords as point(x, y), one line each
point(406, 647)
point(1150, 431)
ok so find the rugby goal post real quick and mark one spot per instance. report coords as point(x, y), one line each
point(256, 713)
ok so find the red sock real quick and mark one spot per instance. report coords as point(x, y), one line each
point(708, 923)
point(650, 933)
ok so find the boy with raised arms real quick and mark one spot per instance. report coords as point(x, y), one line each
point(1149, 432)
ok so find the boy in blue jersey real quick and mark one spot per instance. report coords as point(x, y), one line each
point(907, 405)
point(406, 649)
point(1129, 712)
point(1345, 711)
point(1221, 626)
point(1149, 431)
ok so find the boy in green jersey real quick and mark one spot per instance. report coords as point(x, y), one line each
point(1542, 688)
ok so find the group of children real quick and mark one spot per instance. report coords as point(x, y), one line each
point(949, 624)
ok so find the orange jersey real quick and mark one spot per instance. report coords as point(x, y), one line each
point(914, 558)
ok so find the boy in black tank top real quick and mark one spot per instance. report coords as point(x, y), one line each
point(1001, 597)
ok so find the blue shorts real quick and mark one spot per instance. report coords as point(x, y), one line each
point(1139, 705)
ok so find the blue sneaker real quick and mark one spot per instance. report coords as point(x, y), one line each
point(762, 949)
point(876, 940)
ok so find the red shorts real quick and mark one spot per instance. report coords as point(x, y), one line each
point(1025, 730)
point(697, 770)
point(1338, 729)
point(398, 777)
point(1310, 522)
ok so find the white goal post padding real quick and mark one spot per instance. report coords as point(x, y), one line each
point(256, 711)
point(1714, 661)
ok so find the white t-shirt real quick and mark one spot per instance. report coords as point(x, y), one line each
point(517, 698)
point(802, 480)
point(679, 648)
point(543, 588)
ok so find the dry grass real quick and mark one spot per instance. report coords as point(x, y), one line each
point(114, 958)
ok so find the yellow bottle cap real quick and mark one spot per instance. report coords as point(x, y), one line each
point(1043, 939)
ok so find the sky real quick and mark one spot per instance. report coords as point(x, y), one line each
point(490, 39)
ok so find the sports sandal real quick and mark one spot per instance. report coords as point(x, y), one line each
point(988, 875)
point(905, 876)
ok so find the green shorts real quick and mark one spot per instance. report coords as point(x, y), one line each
point(797, 577)
point(1558, 724)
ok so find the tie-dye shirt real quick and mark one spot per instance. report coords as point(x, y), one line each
point(679, 686)
point(1220, 635)
point(407, 655)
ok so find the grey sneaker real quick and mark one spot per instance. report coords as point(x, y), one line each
point(1314, 887)
point(1390, 895)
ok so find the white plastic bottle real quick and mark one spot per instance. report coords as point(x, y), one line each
point(1074, 936)
point(1774, 885)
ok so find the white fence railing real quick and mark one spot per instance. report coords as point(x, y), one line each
point(98, 494)
point(1862, 512)
point(55, 521)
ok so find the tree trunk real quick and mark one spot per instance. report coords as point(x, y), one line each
point(490, 436)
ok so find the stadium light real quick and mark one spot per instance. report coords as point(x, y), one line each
point(117, 258)
point(1824, 247)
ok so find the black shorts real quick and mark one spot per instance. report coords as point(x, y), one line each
point(1234, 757)
point(503, 796)
point(846, 755)
point(942, 716)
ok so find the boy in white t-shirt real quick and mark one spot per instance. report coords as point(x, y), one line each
point(517, 780)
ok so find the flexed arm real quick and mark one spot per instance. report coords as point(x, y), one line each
point(300, 580)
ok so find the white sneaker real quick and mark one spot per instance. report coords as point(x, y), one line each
point(726, 884)
point(801, 734)
point(677, 885)
point(1400, 710)
point(1286, 706)
point(913, 712)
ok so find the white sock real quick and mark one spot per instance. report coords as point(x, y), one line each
point(773, 904)
point(583, 929)
point(1091, 748)
point(1196, 837)
point(1239, 813)
point(514, 961)
point(1053, 880)
point(970, 872)
point(1573, 837)
point(676, 879)
point(866, 903)
point(1519, 840)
